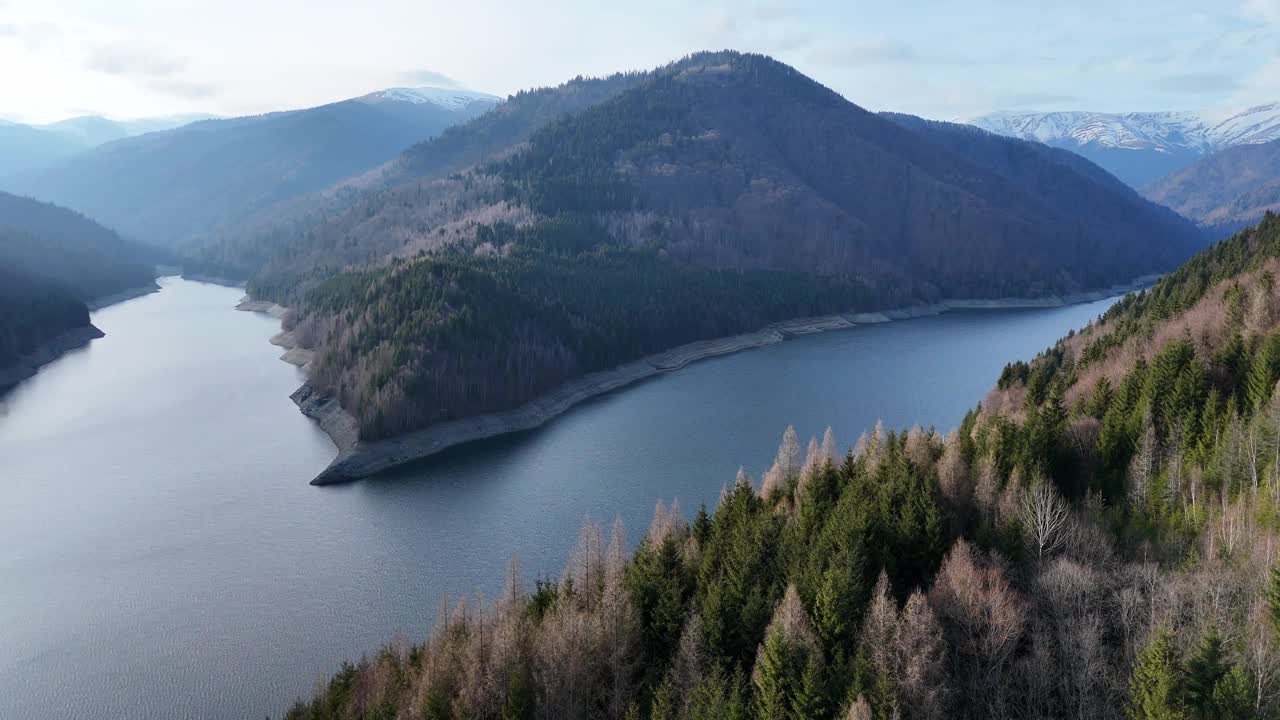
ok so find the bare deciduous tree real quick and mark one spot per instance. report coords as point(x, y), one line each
point(1045, 519)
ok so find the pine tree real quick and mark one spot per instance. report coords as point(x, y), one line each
point(663, 706)
point(1232, 696)
point(1204, 669)
point(788, 673)
point(1272, 594)
point(1099, 399)
point(1263, 372)
point(833, 605)
point(1155, 687)
point(772, 678)
point(518, 704)
point(808, 702)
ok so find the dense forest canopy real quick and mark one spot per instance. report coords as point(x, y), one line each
point(1096, 540)
point(456, 334)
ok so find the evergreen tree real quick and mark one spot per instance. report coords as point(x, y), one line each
point(1232, 696)
point(1263, 372)
point(1206, 666)
point(1272, 595)
point(1155, 687)
point(808, 702)
point(773, 677)
point(663, 706)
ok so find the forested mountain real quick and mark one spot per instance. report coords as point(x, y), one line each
point(339, 226)
point(1225, 191)
point(27, 147)
point(167, 187)
point(715, 195)
point(1098, 539)
point(76, 253)
point(1141, 147)
point(52, 261)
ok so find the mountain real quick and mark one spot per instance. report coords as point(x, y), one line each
point(190, 180)
point(283, 241)
point(71, 250)
point(1226, 191)
point(1140, 147)
point(52, 263)
point(1082, 545)
point(711, 197)
point(24, 148)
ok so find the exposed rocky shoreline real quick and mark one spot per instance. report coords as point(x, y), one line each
point(358, 459)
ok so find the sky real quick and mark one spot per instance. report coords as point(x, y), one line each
point(941, 59)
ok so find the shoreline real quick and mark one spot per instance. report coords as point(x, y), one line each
point(58, 345)
point(357, 460)
point(128, 294)
point(52, 349)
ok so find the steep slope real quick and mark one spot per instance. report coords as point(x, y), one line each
point(1083, 545)
point(1140, 147)
point(719, 194)
point(287, 239)
point(1225, 191)
point(52, 262)
point(166, 187)
point(76, 253)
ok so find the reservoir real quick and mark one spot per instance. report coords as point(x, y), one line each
point(163, 556)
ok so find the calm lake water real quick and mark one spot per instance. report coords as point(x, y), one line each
point(162, 555)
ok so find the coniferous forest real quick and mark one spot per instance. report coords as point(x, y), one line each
point(1098, 539)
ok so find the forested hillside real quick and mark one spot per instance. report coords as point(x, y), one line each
point(1225, 191)
point(53, 261)
point(62, 246)
point(1097, 540)
point(710, 197)
point(32, 311)
point(317, 233)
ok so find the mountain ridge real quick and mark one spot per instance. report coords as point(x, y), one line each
point(188, 181)
point(1139, 147)
point(711, 197)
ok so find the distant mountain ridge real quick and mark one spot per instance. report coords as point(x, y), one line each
point(168, 187)
point(1140, 147)
point(25, 147)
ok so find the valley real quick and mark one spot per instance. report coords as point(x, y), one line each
point(146, 474)
point(1035, 356)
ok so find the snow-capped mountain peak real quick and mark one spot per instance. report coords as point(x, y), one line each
point(447, 98)
point(1140, 147)
point(1200, 132)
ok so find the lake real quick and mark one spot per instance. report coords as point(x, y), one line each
point(162, 555)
